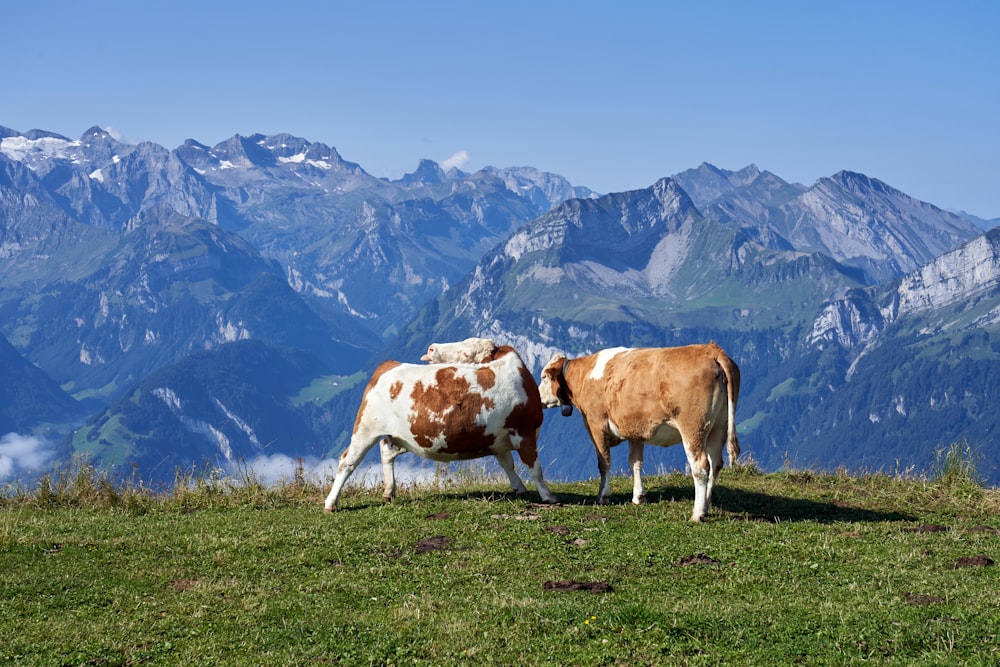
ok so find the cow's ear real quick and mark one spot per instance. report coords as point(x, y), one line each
point(464, 356)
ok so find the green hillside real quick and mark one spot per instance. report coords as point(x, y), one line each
point(792, 568)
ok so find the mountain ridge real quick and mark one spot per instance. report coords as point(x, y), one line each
point(121, 261)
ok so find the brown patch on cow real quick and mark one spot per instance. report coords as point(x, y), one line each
point(448, 407)
point(558, 530)
point(395, 389)
point(696, 559)
point(433, 544)
point(485, 377)
point(914, 599)
point(526, 418)
point(928, 528)
point(973, 561)
point(381, 370)
point(591, 586)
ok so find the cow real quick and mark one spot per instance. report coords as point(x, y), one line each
point(468, 351)
point(448, 412)
point(659, 396)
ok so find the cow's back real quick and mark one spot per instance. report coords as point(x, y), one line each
point(641, 389)
point(467, 402)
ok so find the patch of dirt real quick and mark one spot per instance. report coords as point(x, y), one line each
point(436, 543)
point(985, 529)
point(595, 517)
point(928, 528)
point(696, 559)
point(973, 561)
point(181, 585)
point(558, 530)
point(591, 586)
point(439, 515)
point(577, 542)
point(914, 599)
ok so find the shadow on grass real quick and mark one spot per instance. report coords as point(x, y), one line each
point(739, 504)
point(728, 504)
point(756, 506)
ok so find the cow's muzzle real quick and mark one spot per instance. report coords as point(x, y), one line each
point(567, 410)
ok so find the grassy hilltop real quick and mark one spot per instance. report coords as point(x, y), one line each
point(791, 568)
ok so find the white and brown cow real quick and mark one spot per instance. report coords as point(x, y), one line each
point(448, 412)
point(659, 396)
point(468, 351)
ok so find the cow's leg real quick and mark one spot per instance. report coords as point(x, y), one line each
point(635, 451)
point(506, 461)
point(714, 446)
point(349, 461)
point(701, 473)
point(527, 451)
point(388, 451)
point(604, 467)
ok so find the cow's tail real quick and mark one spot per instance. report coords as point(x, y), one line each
point(732, 372)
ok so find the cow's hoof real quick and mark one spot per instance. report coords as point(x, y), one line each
point(602, 500)
point(641, 500)
point(552, 500)
point(699, 518)
point(329, 510)
point(387, 499)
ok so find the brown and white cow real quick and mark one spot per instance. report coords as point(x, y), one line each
point(468, 351)
point(659, 396)
point(448, 412)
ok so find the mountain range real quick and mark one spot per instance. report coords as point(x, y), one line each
point(166, 308)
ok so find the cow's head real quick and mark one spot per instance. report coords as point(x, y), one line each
point(552, 388)
point(468, 351)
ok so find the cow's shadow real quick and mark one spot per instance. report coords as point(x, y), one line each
point(739, 504)
point(728, 504)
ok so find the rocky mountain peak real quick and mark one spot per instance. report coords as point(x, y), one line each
point(428, 172)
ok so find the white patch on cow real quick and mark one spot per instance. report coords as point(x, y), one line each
point(603, 357)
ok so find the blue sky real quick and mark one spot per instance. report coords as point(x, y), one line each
point(610, 95)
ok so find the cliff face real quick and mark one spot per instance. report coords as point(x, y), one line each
point(954, 281)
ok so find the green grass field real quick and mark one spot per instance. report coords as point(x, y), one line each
point(791, 568)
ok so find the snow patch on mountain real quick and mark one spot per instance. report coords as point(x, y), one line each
point(30, 151)
point(301, 158)
point(169, 397)
point(240, 424)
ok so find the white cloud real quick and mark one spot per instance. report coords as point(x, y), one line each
point(278, 468)
point(22, 453)
point(115, 134)
point(457, 160)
